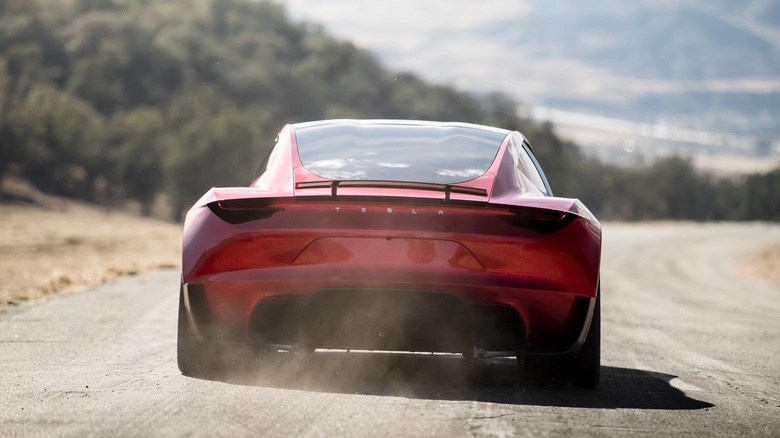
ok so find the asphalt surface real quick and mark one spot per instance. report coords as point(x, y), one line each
point(689, 348)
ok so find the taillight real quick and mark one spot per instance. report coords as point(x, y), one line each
point(239, 211)
point(539, 219)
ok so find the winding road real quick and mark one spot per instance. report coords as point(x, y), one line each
point(690, 348)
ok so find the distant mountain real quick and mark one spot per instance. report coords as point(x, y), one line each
point(691, 40)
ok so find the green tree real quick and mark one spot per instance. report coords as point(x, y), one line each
point(136, 154)
point(8, 146)
point(761, 196)
point(61, 137)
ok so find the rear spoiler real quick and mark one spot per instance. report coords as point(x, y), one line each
point(446, 188)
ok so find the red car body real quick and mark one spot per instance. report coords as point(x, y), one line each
point(483, 262)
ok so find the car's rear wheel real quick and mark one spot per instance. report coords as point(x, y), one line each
point(586, 365)
point(584, 368)
point(542, 370)
point(195, 357)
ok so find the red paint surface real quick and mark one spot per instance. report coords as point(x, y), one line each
point(479, 251)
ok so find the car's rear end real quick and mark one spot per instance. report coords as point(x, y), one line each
point(313, 262)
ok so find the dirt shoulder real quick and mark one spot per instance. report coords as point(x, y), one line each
point(765, 264)
point(50, 245)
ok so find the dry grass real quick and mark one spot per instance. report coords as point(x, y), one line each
point(49, 245)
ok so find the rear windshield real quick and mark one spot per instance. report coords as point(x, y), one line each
point(395, 152)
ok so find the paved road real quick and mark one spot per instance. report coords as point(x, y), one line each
point(689, 348)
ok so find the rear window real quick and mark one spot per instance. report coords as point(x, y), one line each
point(442, 154)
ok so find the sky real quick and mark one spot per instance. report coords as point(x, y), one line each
point(433, 38)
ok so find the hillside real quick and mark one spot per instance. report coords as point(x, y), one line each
point(111, 101)
point(117, 99)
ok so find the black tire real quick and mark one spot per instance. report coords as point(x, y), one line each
point(584, 369)
point(543, 370)
point(586, 365)
point(194, 357)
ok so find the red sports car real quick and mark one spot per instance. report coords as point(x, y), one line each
point(392, 235)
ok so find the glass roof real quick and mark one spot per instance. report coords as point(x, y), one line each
point(443, 153)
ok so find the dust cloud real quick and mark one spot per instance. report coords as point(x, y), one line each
point(414, 375)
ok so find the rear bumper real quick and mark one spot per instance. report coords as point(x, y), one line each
point(484, 256)
point(490, 313)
